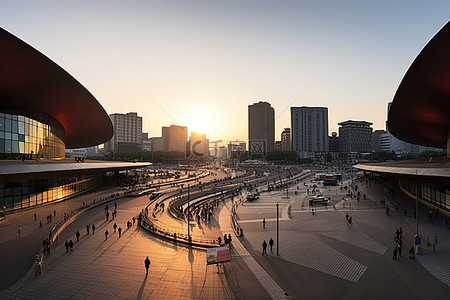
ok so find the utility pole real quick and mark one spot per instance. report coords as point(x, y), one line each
point(278, 232)
point(188, 215)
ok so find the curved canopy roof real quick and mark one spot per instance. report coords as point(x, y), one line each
point(420, 111)
point(30, 82)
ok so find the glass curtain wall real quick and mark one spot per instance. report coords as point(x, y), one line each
point(22, 194)
point(26, 138)
point(437, 195)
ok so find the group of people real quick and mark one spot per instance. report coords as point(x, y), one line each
point(264, 246)
point(226, 239)
point(398, 248)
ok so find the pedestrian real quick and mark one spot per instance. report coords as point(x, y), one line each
point(106, 234)
point(115, 205)
point(134, 219)
point(93, 228)
point(264, 246)
point(147, 264)
point(18, 231)
point(115, 227)
point(399, 248)
point(35, 216)
point(394, 253)
point(120, 231)
point(67, 246)
point(107, 216)
point(346, 216)
point(71, 245)
point(54, 213)
point(405, 212)
point(271, 244)
point(229, 238)
point(87, 228)
point(219, 240)
point(77, 235)
point(264, 223)
point(430, 216)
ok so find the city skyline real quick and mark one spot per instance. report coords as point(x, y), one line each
point(201, 64)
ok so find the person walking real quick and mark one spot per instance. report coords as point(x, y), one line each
point(106, 234)
point(88, 228)
point(120, 231)
point(264, 223)
point(77, 235)
point(40, 225)
point(264, 246)
point(93, 228)
point(18, 231)
point(35, 216)
point(115, 227)
point(71, 245)
point(271, 244)
point(394, 253)
point(66, 244)
point(147, 264)
point(399, 246)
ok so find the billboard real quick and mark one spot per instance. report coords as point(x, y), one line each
point(217, 255)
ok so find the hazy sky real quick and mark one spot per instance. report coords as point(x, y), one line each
point(201, 63)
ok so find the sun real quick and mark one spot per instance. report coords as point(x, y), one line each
point(201, 120)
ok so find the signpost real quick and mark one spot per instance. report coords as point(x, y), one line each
point(217, 255)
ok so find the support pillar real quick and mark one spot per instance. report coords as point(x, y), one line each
point(448, 143)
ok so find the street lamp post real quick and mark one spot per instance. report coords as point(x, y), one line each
point(188, 215)
point(278, 232)
point(417, 205)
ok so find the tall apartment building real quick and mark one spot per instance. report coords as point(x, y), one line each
point(175, 138)
point(309, 131)
point(355, 137)
point(198, 145)
point(127, 133)
point(261, 128)
point(286, 139)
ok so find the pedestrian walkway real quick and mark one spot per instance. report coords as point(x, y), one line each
point(272, 288)
point(114, 268)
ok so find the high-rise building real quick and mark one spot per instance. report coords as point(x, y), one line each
point(286, 139)
point(198, 145)
point(381, 140)
point(156, 144)
point(174, 138)
point(355, 137)
point(127, 133)
point(333, 143)
point(309, 131)
point(277, 146)
point(261, 128)
point(236, 148)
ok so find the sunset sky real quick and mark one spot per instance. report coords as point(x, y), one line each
point(201, 63)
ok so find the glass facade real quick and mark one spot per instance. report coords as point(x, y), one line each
point(437, 195)
point(28, 138)
point(22, 194)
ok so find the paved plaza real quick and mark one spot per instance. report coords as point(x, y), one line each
point(320, 256)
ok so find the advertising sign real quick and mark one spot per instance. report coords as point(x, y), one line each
point(217, 255)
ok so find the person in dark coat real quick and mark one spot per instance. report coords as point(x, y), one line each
point(67, 246)
point(71, 245)
point(147, 264)
point(264, 246)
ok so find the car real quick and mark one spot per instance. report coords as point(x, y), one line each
point(318, 200)
point(330, 182)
